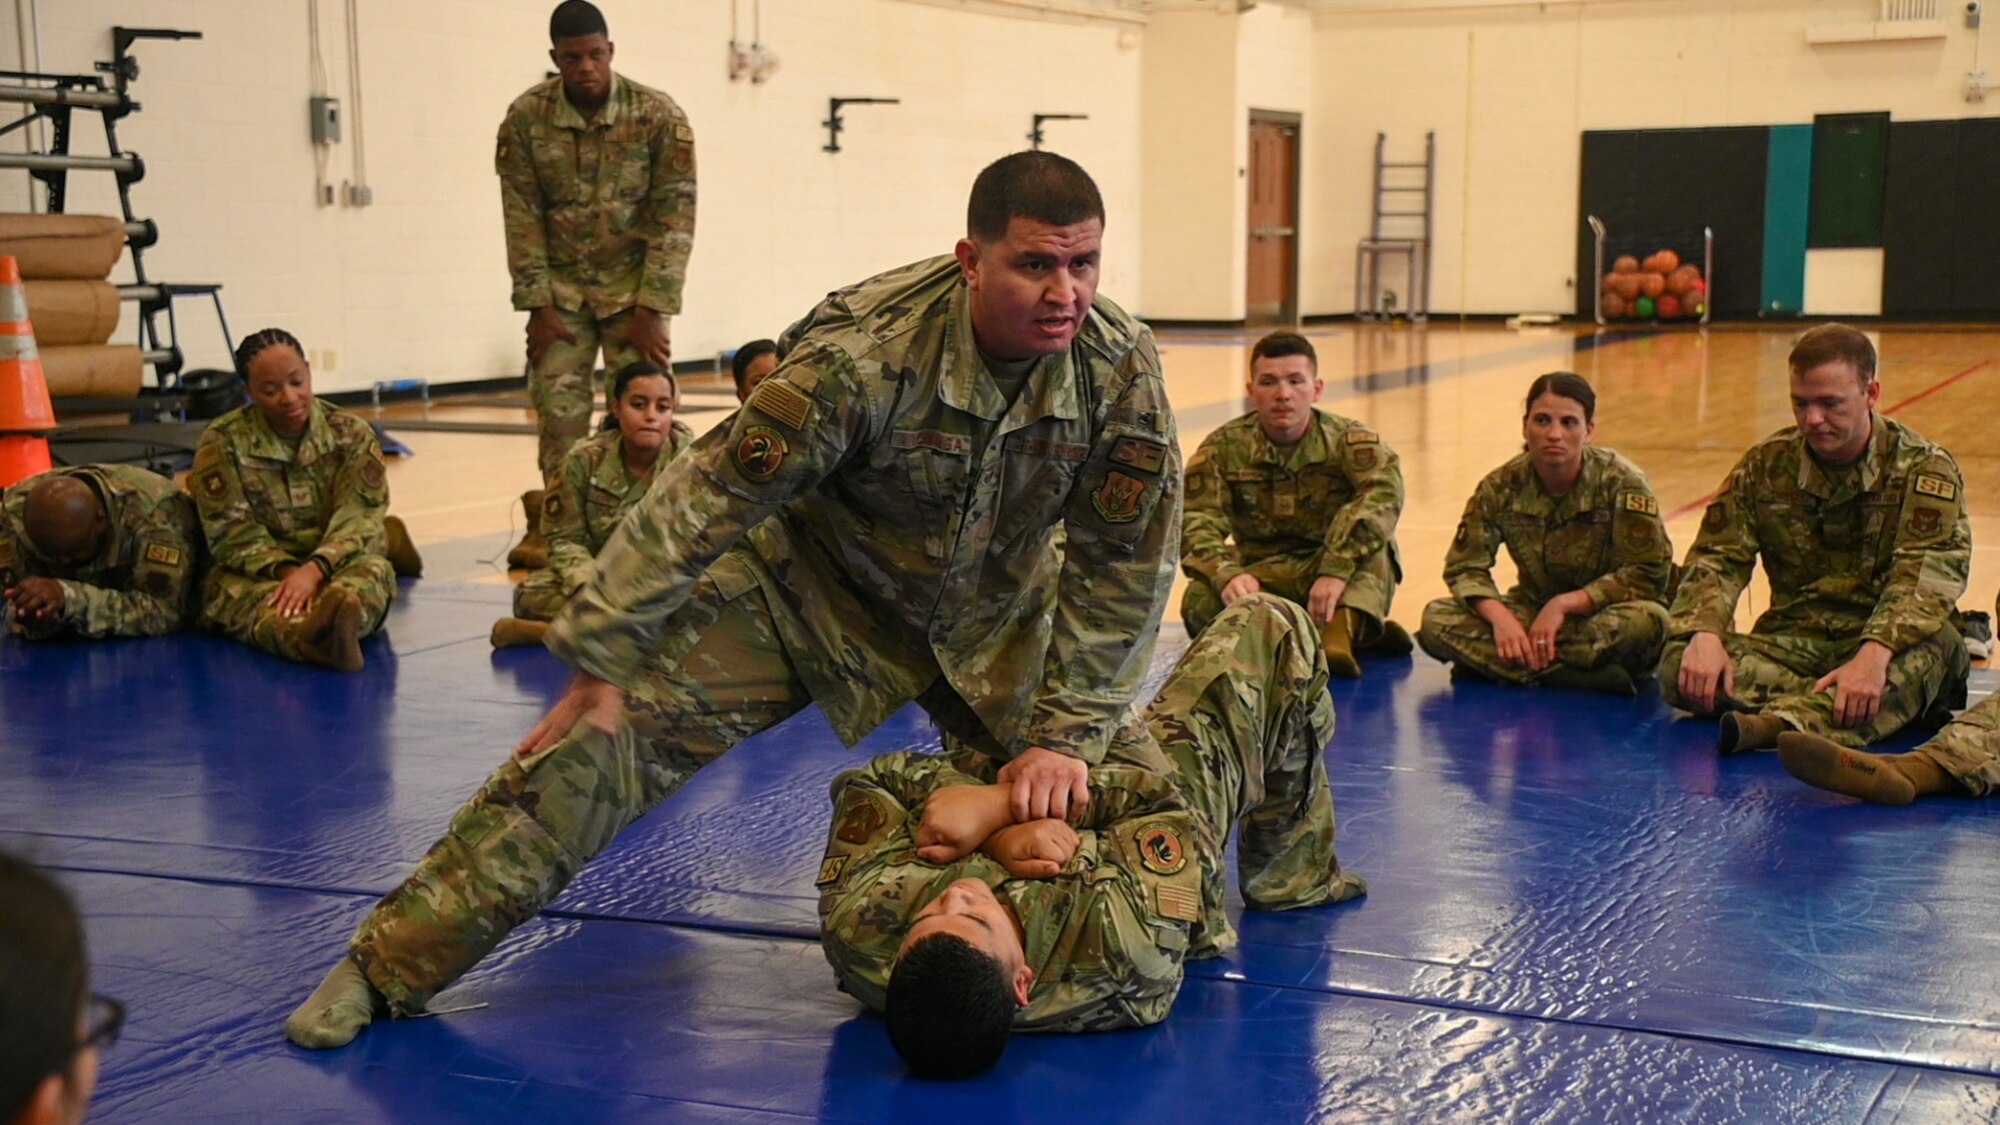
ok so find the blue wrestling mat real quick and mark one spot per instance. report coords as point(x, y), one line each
point(1577, 913)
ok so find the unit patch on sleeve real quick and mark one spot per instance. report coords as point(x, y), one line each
point(1160, 850)
point(761, 452)
point(1118, 500)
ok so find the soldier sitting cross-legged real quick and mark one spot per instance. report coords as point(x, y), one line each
point(962, 920)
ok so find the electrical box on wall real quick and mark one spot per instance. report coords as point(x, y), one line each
point(325, 120)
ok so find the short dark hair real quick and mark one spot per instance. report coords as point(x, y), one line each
point(1567, 384)
point(739, 364)
point(1031, 185)
point(1831, 343)
point(574, 19)
point(256, 342)
point(42, 978)
point(622, 382)
point(949, 1008)
point(1280, 344)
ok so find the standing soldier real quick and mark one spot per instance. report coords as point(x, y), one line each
point(292, 492)
point(1312, 501)
point(98, 551)
point(928, 872)
point(878, 525)
point(1861, 526)
point(597, 185)
point(1584, 530)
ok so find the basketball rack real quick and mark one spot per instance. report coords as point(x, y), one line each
point(1637, 245)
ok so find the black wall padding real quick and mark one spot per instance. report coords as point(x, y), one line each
point(1940, 224)
point(1918, 203)
point(1655, 187)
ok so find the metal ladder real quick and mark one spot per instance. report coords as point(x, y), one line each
point(1400, 228)
point(53, 97)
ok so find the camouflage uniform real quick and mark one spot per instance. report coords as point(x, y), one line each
point(1244, 721)
point(1604, 537)
point(267, 503)
point(590, 494)
point(876, 525)
point(1969, 748)
point(1325, 507)
point(141, 583)
point(600, 218)
point(1876, 551)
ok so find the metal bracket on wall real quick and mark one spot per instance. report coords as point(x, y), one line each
point(835, 123)
point(1035, 132)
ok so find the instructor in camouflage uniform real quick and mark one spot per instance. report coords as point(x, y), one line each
point(878, 524)
point(1593, 560)
point(98, 551)
point(292, 492)
point(1861, 526)
point(960, 921)
point(1311, 500)
point(597, 187)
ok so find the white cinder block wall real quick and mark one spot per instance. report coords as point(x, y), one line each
point(1510, 87)
point(416, 285)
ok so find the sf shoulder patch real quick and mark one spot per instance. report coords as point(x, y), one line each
point(1145, 456)
point(1928, 485)
point(783, 402)
point(1160, 850)
point(1118, 500)
point(163, 554)
point(1639, 502)
point(761, 453)
point(830, 870)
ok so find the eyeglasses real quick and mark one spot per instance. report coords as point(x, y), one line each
point(105, 1020)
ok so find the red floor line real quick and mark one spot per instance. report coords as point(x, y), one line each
point(1918, 397)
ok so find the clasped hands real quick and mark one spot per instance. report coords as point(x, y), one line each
point(1018, 822)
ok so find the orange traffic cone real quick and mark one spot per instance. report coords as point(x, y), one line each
point(25, 411)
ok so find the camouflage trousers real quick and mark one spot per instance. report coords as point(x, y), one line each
point(720, 675)
point(1246, 719)
point(1775, 674)
point(1969, 748)
point(1370, 590)
point(239, 606)
point(1627, 634)
point(540, 596)
point(563, 386)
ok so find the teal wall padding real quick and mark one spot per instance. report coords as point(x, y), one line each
point(1787, 209)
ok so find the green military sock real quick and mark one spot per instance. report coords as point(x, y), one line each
point(338, 1009)
point(517, 632)
point(1882, 779)
point(1337, 641)
point(1742, 731)
point(402, 550)
point(1611, 679)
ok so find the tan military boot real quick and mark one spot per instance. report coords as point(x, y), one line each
point(1740, 731)
point(532, 552)
point(1337, 641)
point(402, 551)
point(1611, 679)
point(331, 633)
point(1882, 779)
point(518, 632)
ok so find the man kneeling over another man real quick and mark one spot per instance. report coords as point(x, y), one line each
point(962, 915)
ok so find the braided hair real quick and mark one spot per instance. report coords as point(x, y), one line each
point(254, 344)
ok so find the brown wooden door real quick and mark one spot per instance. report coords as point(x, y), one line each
point(1274, 221)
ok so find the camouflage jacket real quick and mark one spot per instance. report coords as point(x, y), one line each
point(1880, 550)
point(266, 503)
point(908, 518)
point(141, 584)
point(599, 213)
point(1106, 938)
point(1337, 495)
point(1604, 538)
point(593, 490)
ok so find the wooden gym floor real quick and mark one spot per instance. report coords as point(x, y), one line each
point(1683, 404)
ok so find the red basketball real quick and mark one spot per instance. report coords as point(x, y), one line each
point(1670, 308)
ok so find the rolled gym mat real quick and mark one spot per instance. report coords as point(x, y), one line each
point(63, 246)
point(72, 312)
point(94, 370)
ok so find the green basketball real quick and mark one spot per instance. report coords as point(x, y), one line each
point(1644, 308)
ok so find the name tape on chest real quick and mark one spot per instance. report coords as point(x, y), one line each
point(956, 444)
point(1045, 448)
point(1928, 485)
